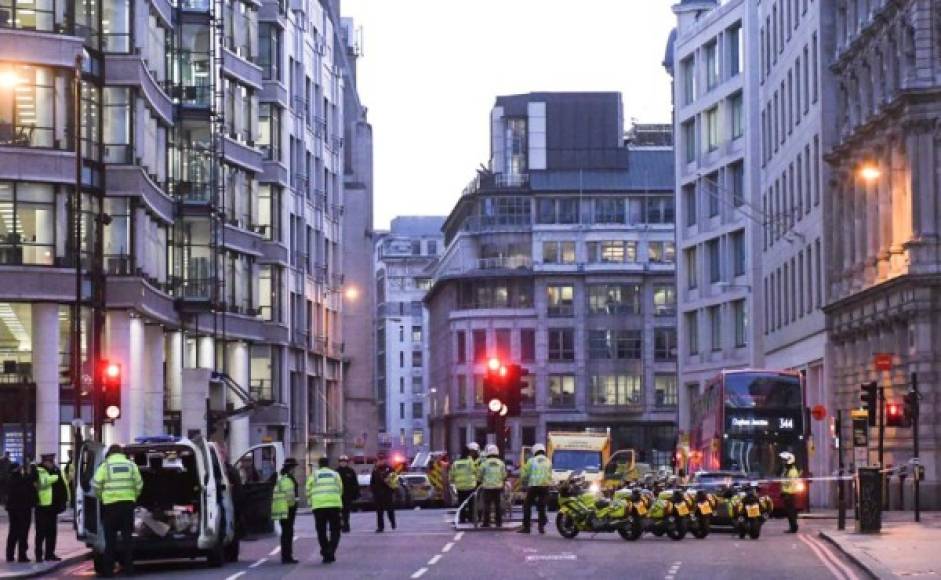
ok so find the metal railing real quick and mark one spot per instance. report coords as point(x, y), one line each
point(505, 263)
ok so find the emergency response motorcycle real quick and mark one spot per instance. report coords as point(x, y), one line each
point(747, 510)
point(583, 509)
point(702, 506)
point(662, 511)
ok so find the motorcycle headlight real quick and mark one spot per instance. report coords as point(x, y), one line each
point(594, 488)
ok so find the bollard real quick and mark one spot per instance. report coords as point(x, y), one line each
point(869, 500)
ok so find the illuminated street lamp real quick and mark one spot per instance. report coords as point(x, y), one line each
point(9, 78)
point(351, 293)
point(870, 172)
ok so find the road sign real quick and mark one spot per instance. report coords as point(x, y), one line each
point(882, 361)
point(818, 412)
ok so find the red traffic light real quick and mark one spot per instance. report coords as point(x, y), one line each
point(112, 370)
point(494, 364)
point(893, 410)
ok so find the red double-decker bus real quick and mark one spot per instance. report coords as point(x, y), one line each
point(744, 419)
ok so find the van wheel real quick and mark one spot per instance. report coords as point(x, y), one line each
point(216, 556)
point(232, 552)
point(99, 561)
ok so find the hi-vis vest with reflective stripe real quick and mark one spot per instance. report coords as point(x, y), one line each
point(463, 474)
point(492, 473)
point(283, 499)
point(117, 479)
point(324, 489)
point(44, 486)
point(789, 485)
point(538, 471)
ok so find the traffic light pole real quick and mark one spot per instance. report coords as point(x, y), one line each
point(841, 485)
point(885, 492)
point(917, 466)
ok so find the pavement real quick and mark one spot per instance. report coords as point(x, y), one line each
point(67, 547)
point(426, 546)
point(903, 549)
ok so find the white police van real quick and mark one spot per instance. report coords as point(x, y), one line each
point(186, 508)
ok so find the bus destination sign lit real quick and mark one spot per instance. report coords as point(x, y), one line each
point(754, 422)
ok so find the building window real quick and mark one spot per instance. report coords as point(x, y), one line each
point(480, 345)
point(737, 177)
point(269, 51)
point(418, 437)
point(733, 39)
point(528, 344)
point(715, 264)
point(689, 204)
point(712, 129)
point(614, 344)
point(417, 385)
point(478, 390)
point(688, 82)
point(741, 323)
point(661, 252)
point(502, 336)
point(715, 321)
point(461, 346)
point(416, 333)
point(432, 247)
point(664, 301)
point(557, 211)
point(689, 140)
point(560, 301)
point(692, 332)
point(738, 253)
point(665, 390)
point(737, 115)
point(561, 344)
point(614, 299)
point(528, 390)
point(664, 344)
point(269, 131)
point(710, 190)
point(712, 65)
point(461, 392)
point(692, 276)
point(418, 410)
point(561, 390)
point(615, 390)
point(609, 211)
point(528, 436)
point(659, 209)
point(34, 105)
point(612, 252)
point(558, 252)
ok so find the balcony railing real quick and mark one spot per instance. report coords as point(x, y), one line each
point(505, 263)
point(262, 390)
point(488, 180)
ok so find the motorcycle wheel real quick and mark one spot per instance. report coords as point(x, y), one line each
point(566, 525)
point(754, 529)
point(701, 529)
point(676, 531)
point(631, 530)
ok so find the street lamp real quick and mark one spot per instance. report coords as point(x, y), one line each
point(351, 293)
point(870, 172)
point(9, 78)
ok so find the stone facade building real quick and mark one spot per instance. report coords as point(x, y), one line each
point(884, 227)
point(560, 256)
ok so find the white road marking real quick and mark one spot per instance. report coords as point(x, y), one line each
point(419, 573)
point(434, 559)
point(447, 547)
point(826, 562)
point(847, 571)
point(275, 551)
point(672, 572)
point(551, 557)
point(236, 575)
point(458, 536)
point(258, 563)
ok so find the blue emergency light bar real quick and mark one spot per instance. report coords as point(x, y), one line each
point(157, 439)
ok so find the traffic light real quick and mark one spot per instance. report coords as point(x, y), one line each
point(894, 416)
point(109, 395)
point(514, 389)
point(910, 408)
point(495, 392)
point(870, 399)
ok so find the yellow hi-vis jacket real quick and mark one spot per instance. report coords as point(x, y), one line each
point(117, 479)
point(324, 489)
point(492, 473)
point(44, 481)
point(284, 497)
point(791, 475)
point(537, 472)
point(463, 474)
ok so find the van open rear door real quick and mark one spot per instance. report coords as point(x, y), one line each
point(258, 468)
point(87, 512)
point(210, 497)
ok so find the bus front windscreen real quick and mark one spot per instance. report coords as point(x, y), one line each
point(576, 460)
point(762, 391)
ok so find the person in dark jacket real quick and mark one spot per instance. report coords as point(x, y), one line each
point(21, 499)
point(382, 483)
point(350, 490)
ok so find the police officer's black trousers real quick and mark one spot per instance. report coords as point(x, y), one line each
point(46, 530)
point(118, 519)
point(18, 534)
point(324, 518)
point(535, 495)
point(468, 509)
point(384, 506)
point(790, 509)
point(287, 535)
point(345, 515)
point(493, 500)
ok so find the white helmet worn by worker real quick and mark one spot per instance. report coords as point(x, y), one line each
point(492, 451)
point(473, 446)
point(787, 457)
point(539, 448)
